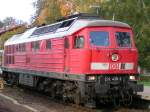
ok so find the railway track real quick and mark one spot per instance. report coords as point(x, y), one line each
point(44, 103)
point(141, 104)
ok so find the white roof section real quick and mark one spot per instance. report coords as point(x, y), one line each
point(18, 37)
point(61, 32)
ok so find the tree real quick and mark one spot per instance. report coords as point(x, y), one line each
point(9, 34)
point(1, 24)
point(9, 20)
point(48, 11)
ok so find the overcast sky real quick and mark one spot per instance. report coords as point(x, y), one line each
point(19, 9)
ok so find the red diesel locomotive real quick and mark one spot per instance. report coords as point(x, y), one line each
point(81, 59)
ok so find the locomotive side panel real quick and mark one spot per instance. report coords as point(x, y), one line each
point(37, 57)
point(79, 53)
point(20, 55)
point(47, 57)
point(9, 56)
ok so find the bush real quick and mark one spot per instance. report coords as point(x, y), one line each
point(145, 78)
point(9, 34)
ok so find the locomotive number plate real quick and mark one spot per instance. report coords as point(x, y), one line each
point(112, 78)
point(114, 66)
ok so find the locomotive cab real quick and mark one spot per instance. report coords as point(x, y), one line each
point(112, 51)
point(107, 55)
point(113, 63)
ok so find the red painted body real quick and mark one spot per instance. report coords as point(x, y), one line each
point(74, 61)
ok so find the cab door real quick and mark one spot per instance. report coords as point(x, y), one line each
point(66, 54)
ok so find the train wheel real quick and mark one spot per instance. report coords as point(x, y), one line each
point(116, 102)
point(127, 99)
point(77, 97)
point(40, 87)
point(53, 91)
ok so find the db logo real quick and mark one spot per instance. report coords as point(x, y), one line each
point(114, 66)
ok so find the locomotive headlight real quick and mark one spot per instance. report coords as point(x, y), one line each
point(115, 57)
point(91, 78)
point(132, 77)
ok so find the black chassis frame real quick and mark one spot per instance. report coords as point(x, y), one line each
point(90, 89)
point(103, 85)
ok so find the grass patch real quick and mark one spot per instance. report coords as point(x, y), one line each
point(145, 83)
point(145, 79)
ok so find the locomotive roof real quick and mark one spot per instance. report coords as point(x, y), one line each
point(61, 29)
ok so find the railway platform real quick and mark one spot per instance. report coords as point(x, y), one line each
point(146, 94)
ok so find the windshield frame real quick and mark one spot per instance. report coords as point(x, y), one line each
point(123, 43)
point(122, 29)
point(99, 30)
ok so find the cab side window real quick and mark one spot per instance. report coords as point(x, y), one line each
point(48, 44)
point(35, 46)
point(66, 43)
point(79, 42)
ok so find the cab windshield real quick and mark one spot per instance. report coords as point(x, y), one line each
point(99, 38)
point(123, 39)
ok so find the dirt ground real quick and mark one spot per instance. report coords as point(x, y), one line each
point(8, 106)
point(146, 93)
point(31, 100)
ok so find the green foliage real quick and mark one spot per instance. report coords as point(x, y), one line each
point(9, 20)
point(9, 34)
point(47, 11)
point(145, 78)
point(1, 24)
